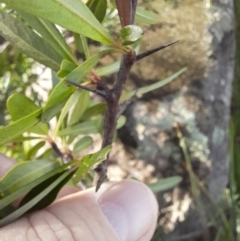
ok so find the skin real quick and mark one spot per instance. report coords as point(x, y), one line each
point(124, 211)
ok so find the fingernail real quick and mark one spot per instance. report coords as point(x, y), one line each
point(131, 209)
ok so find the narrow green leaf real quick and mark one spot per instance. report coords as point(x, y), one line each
point(97, 109)
point(6, 211)
point(54, 78)
point(71, 102)
point(46, 154)
point(50, 112)
point(161, 83)
point(26, 188)
point(51, 34)
point(84, 45)
point(33, 150)
point(81, 105)
point(40, 128)
point(78, 43)
point(98, 8)
point(26, 138)
point(82, 70)
point(66, 68)
point(73, 15)
point(81, 44)
point(84, 128)
point(131, 34)
point(107, 70)
point(20, 211)
point(61, 92)
point(165, 184)
point(125, 96)
point(121, 121)
point(145, 16)
point(24, 173)
point(51, 196)
point(28, 41)
point(89, 161)
point(8, 133)
point(82, 144)
point(19, 106)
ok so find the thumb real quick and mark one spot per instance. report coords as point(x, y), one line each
point(131, 209)
point(125, 211)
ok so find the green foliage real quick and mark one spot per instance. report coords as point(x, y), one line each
point(19, 106)
point(144, 90)
point(84, 128)
point(82, 104)
point(60, 179)
point(82, 144)
point(51, 34)
point(82, 70)
point(28, 41)
point(15, 129)
point(14, 179)
point(88, 161)
point(98, 8)
point(72, 15)
point(70, 102)
point(39, 199)
point(32, 28)
point(165, 184)
point(130, 34)
point(42, 180)
point(66, 68)
point(146, 17)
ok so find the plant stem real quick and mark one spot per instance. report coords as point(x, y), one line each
point(99, 92)
point(134, 8)
point(110, 118)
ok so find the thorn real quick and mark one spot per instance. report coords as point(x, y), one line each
point(103, 93)
point(100, 175)
point(124, 106)
point(152, 51)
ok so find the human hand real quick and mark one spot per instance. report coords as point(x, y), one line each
point(124, 211)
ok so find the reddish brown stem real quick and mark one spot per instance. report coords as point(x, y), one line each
point(110, 118)
point(127, 10)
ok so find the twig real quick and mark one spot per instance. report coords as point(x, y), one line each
point(66, 157)
point(55, 148)
point(134, 7)
point(152, 51)
point(103, 93)
point(110, 118)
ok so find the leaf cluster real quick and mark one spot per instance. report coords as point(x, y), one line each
point(33, 28)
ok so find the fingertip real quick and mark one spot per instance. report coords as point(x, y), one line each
point(5, 164)
point(67, 190)
point(131, 208)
